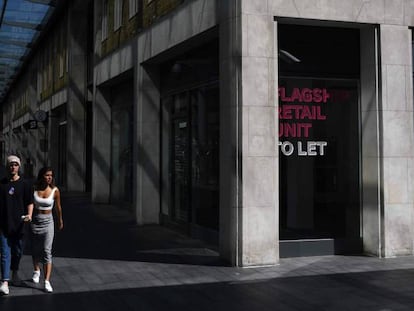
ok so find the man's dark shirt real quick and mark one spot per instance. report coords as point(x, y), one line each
point(15, 196)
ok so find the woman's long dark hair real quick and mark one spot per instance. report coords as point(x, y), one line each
point(41, 183)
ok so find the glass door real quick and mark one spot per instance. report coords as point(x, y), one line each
point(205, 156)
point(194, 158)
point(180, 158)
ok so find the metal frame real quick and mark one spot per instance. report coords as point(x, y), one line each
point(21, 22)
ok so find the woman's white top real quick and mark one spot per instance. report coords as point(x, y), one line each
point(44, 204)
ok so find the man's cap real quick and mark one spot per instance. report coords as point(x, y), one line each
point(13, 158)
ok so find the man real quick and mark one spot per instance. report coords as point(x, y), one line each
point(16, 208)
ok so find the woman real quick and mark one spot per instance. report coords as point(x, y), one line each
point(46, 197)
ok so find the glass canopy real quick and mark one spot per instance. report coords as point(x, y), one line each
point(21, 22)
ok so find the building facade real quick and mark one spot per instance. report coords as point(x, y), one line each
point(271, 128)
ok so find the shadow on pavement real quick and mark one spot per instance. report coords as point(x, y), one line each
point(377, 290)
point(107, 232)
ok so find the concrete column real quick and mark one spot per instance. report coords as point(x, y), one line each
point(77, 94)
point(101, 147)
point(248, 154)
point(372, 196)
point(230, 169)
point(397, 141)
point(147, 142)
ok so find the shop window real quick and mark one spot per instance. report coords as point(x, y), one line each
point(319, 134)
point(319, 156)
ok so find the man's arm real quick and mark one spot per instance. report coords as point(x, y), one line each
point(28, 217)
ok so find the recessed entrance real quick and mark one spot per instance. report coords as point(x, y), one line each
point(190, 133)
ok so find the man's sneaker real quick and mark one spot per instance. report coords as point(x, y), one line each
point(36, 276)
point(4, 289)
point(48, 287)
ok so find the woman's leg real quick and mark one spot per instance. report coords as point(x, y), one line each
point(47, 270)
point(37, 246)
point(47, 260)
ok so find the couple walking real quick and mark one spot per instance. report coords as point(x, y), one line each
point(20, 204)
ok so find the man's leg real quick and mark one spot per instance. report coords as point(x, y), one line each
point(16, 248)
point(5, 261)
point(5, 258)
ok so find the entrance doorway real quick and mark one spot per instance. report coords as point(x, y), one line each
point(194, 165)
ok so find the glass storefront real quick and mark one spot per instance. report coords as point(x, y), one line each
point(205, 156)
point(319, 140)
point(194, 156)
point(190, 97)
point(319, 158)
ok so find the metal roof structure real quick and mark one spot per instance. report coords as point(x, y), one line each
point(21, 22)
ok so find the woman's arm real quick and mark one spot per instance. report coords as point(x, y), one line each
point(58, 208)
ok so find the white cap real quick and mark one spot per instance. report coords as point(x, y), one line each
point(13, 158)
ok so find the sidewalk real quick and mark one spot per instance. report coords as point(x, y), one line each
point(110, 265)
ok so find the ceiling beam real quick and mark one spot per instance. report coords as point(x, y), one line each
point(11, 56)
point(45, 2)
point(15, 42)
point(7, 66)
point(32, 26)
